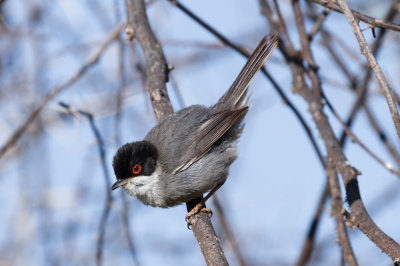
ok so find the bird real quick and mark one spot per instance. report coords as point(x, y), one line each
point(189, 152)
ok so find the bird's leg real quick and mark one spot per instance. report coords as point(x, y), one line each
point(199, 206)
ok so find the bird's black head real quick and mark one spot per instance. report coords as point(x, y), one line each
point(134, 159)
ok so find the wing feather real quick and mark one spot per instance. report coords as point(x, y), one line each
point(211, 131)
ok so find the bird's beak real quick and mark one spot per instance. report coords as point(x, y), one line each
point(120, 182)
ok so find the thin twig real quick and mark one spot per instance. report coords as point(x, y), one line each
point(367, 19)
point(304, 39)
point(282, 26)
point(382, 135)
point(246, 54)
point(109, 199)
point(119, 100)
point(326, 42)
point(363, 86)
point(387, 91)
point(388, 166)
point(308, 244)
point(128, 234)
point(361, 91)
point(228, 232)
point(50, 95)
point(121, 78)
point(335, 153)
point(349, 174)
point(318, 24)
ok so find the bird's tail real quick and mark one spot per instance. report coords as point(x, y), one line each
point(235, 97)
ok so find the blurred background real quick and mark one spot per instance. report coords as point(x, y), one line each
point(54, 189)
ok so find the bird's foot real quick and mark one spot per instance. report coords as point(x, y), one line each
point(198, 208)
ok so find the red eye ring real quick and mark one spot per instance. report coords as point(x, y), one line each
point(136, 169)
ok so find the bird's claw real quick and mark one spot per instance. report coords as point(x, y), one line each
point(198, 208)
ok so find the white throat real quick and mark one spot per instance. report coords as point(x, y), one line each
point(144, 188)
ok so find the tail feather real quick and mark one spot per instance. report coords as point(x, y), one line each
point(235, 97)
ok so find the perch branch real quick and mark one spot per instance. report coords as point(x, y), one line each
point(138, 27)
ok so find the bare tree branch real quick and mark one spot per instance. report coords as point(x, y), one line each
point(228, 231)
point(128, 234)
point(246, 54)
point(387, 91)
point(382, 135)
point(157, 75)
point(337, 212)
point(359, 142)
point(50, 95)
point(291, 54)
point(367, 19)
point(308, 244)
point(107, 183)
point(335, 153)
point(349, 175)
point(139, 28)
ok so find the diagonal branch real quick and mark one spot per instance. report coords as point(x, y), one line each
point(359, 215)
point(50, 95)
point(138, 27)
point(387, 91)
point(348, 132)
point(244, 53)
point(337, 212)
point(367, 19)
point(109, 198)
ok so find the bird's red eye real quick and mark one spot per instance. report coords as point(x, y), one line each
point(136, 169)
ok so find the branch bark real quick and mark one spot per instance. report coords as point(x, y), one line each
point(337, 212)
point(138, 27)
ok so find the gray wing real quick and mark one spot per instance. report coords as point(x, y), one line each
point(210, 131)
point(187, 135)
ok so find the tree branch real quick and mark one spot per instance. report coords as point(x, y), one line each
point(387, 91)
point(308, 244)
point(349, 174)
point(138, 27)
point(50, 95)
point(359, 214)
point(367, 19)
point(107, 183)
point(337, 212)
